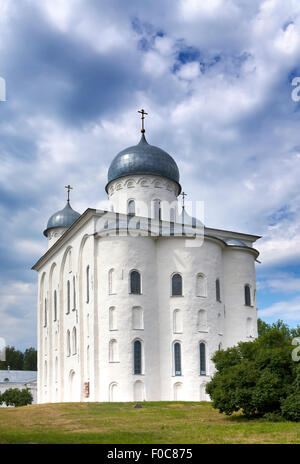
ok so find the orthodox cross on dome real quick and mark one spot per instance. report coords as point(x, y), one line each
point(183, 194)
point(69, 189)
point(143, 112)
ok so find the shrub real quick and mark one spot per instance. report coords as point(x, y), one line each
point(16, 397)
point(258, 377)
point(291, 407)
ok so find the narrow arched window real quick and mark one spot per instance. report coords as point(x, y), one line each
point(201, 287)
point(219, 323)
point(177, 358)
point(74, 341)
point(177, 321)
point(249, 327)
point(74, 293)
point(172, 215)
point(218, 292)
point(135, 282)
point(112, 318)
point(131, 208)
point(202, 320)
point(111, 282)
point(88, 284)
point(137, 318)
point(56, 369)
point(202, 347)
point(55, 304)
point(157, 209)
point(176, 285)
point(68, 343)
point(247, 295)
point(68, 297)
point(113, 351)
point(137, 353)
point(45, 312)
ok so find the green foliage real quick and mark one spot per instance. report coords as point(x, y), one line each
point(18, 361)
point(258, 377)
point(14, 359)
point(30, 359)
point(16, 397)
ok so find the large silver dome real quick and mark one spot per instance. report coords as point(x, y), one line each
point(143, 159)
point(63, 218)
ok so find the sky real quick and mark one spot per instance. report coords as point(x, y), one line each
point(216, 79)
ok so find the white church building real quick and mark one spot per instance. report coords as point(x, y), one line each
point(134, 301)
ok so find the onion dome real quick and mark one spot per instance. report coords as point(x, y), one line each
point(143, 159)
point(63, 218)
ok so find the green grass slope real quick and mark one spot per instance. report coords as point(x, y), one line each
point(154, 423)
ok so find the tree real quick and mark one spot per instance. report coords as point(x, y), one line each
point(258, 377)
point(14, 359)
point(30, 359)
point(16, 397)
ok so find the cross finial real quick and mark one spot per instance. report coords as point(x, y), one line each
point(143, 112)
point(69, 188)
point(183, 194)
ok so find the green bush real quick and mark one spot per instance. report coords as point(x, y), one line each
point(291, 407)
point(16, 397)
point(259, 377)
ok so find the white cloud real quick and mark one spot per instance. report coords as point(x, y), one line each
point(282, 310)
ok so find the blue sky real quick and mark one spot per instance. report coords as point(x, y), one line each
point(215, 78)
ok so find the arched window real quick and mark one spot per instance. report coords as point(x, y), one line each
point(45, 314)
point(249, 327)
point(135, 282)
point(157, 209)
point(56, 369)
point(202, 347)
point(219, 323)
point(88, 361)
point(68, 343)
point(247, 295)
point(68, 297)
point(55, 304)
point(172, 215)
point(74, 293)
point(201, 287)
point(202, 320)
point(218, 293)
point(88, 284)
point(137, 318)
point(112, 318)
point(176, 285)
point(88, 325)
point(74, 341)
point(113, 351)
point(131, 208)
point(177, 321)
point(137, 354)
point(45, 373)
point(111, 282)
point(177, 358)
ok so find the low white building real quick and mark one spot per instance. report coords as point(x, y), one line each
point(20, 380)
point(132, 303)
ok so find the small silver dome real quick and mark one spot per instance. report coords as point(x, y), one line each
point(143, 159)
point(63, 218)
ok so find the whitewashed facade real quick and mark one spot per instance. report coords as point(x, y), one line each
point(105, 334)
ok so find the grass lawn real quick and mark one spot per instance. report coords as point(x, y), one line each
point(154, 423)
